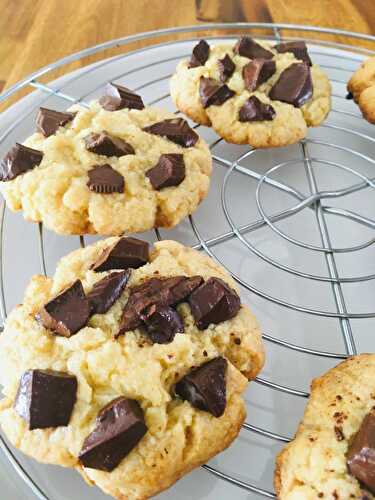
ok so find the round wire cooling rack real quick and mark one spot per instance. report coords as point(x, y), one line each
point(304, 262)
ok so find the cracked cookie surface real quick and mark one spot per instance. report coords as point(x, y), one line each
point(179, 437)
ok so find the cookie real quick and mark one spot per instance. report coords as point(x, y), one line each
point(151, 347)
point(252, 92)
point(107, 169)
point(361, 87)
point(327, 457)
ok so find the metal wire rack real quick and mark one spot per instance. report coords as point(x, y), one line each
point(246, 165)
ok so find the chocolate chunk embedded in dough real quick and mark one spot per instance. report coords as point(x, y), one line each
point(176, 130)
point(48, 121)
point(107, 145)
point(19, 160)
point(120, 426)
point(126, 253)
point(254, 110)
point(106, 291)
point(169, 171)
point(257, 72)
point(46, 398)
point(213, 93)
point(200, 54)
point(294, 85)
point(247, 47)
point(297, 48)
point(119, 97)
point(226, 68)
point(162, 323)
point(103, 179)
point(205, 387)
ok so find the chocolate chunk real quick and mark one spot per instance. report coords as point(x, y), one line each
point(213, 302)
point(124, 254)
point(298, 48)
point(226, 68)
point(349, 96)
point(119, 97)
point(361, 453)
point(205, 387)
point(67, 313)
point(257, 72)
point(104, 179)
point(254, 110)
point(162, 323)
point(120, 426)
point(247, 47)
point(48, 121)
point(107, 145)
point(213, 92)
point(200, 54)
point(176, 130)
point(183, 288)
point(106, 291)
point(294, 85)
point(19, 160)
point(169, 171)
point(46, 398)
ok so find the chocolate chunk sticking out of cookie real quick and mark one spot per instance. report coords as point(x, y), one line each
point(349, 96)
point(254, 110)
point(46, 398)
point(103, 179)
point(67, 313)
point(297, 48)
point(106, 291)
point(107, 145)
point(226, 68)
point(183, 289)
point(124, 254)
point(200, 54)
point(120, 426)
point(361, 453)
point(205, 387)
point(119, 97)
point(18, 160)
point(176, 130)
point(162, 323)
point(213, 302)
point(48, 121)
point(247, 47)
point(169, 171)
point(257, 72)
point(212, 92)
point(294, 85)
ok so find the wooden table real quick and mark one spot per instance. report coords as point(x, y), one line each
point(37, 32)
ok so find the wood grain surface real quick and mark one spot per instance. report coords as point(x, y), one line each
point(35, 33)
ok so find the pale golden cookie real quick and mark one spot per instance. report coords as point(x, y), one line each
point(362, 87)
point(313, 465)
point(56, 192)
point(290, 123)
point(179, 436)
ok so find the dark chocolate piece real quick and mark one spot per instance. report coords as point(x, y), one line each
point(107, 145)
point(213, 302)
point(162, 323)
point(254, 110)
point(212, 92)
point(200, 54)
point(205, 387)
point(46, 398)
point(120, 426)
point(169, 171)
point(163, 291)
point(67, 313)
point(124, 254)
point(18, 160)
point(119, 97)
point(349, 96)
point(103, 179)
point(176, 130)
point(247, 47)
point(226, 68)
point(361, 453)
point(48, 121)
point(106, 291)
point(297, 48)
point(257, 72)
point(294, 85)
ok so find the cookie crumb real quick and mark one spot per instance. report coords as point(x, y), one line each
point(339, 434)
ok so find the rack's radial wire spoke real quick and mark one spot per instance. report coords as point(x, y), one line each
point(41, 249)
point(3, 307)
point(82, 241)
point(330, 259)
point(158, 235)
point(281, 388)
point(265, 433)
point(313, 352)
point(240, 484)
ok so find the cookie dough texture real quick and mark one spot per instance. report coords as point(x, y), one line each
point(290, 123)
point(56, 191)
point(313, 465)
point(179, 436)
point(362, 86)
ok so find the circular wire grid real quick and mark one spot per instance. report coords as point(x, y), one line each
point(270, 172)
